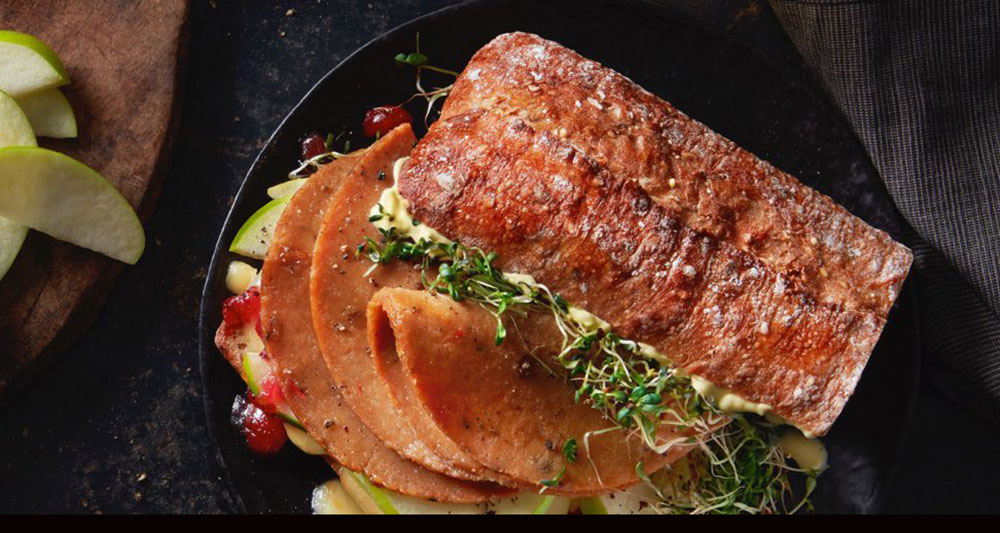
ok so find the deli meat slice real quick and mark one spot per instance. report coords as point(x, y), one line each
point(294, 352)
point(338, 297)
point(716, 310)
point(510, 406)
point(702, 179)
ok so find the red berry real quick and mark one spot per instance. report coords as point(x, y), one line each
point(381, 120)
point(265, 432)
point(270, 397)
point(312, 146)
point(243, 309)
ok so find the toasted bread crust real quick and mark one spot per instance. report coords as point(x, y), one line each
point(551, 211)
point(701, 178)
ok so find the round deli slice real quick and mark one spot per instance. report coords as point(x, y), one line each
point(339, 294)
point(510, 406)
point(294, 351)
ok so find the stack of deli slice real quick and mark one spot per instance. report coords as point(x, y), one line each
point(293, 351)
point(339, 297)
point(293, 348)
point(680, 239)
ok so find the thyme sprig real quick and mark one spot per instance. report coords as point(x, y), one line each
point(735, 465)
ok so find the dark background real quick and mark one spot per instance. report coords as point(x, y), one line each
point(119, 425)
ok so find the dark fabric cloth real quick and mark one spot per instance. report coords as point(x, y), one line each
point(919, 81)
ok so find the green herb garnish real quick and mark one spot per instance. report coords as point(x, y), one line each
point(569, 451)
point(735, 465)
point(414, 59)
point(421, 62)
point(554, 482)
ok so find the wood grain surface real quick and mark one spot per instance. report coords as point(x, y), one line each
point(124, 59)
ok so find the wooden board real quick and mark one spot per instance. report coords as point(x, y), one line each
point(124, 59)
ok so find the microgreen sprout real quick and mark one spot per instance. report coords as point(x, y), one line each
point(421, 62)
point(554, 482)
point(735, 464)
point(569, 451)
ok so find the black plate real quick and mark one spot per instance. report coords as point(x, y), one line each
point(772, 110)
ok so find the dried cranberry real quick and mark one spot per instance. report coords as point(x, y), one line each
point(381, 120)
point(243, 309)
point(313, 145)
point(265, 432)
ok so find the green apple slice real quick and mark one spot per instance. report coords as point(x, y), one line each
point(376, 500)
point(254, 237)
point(12, 237)
point(60, 196)
point(638, 499)
point(331, 498)
point(15, 130)
point(256, 370)
point(303, 440)
point(371, 499)
point(28, 65)
point(592, 505)
point(50, 114)
point(286, 188)
point(15, 126)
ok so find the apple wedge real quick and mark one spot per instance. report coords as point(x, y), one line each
point(254, 237)
point(15, 126)
point(15, 130)
point(331, 498)
point(12, 237)
point(256, 371)
point(60, 196)
point(28, 65)
point(303, 441)
point(286, 188)
point(50, 114)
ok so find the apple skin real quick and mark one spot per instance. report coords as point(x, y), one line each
point(28, 65)
point(60, 196)
point(254, 236)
